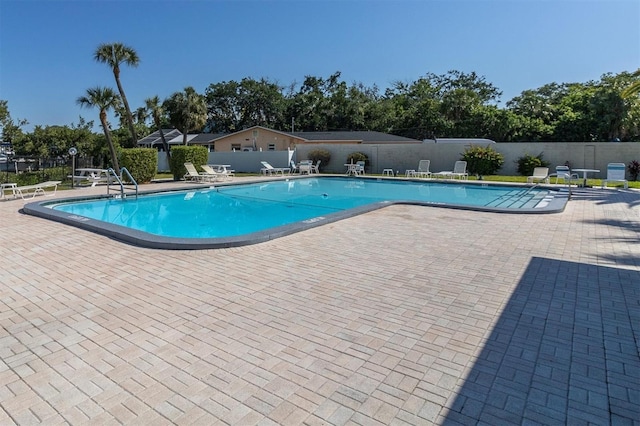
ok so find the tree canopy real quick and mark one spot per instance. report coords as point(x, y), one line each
point(454, 104)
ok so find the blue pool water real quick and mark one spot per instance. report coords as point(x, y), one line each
point(236, 210)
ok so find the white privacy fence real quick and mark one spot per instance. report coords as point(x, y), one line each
point(241, 161)
point(401, 157)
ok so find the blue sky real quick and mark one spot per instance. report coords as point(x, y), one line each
point(47, 47)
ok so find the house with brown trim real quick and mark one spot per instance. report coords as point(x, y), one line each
point(260, 138)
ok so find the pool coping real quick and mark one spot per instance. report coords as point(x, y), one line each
point(135, 237)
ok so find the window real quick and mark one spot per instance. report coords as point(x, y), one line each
point(236, 147)
point(272, 147)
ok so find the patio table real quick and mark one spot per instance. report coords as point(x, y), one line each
point(584, 174)
point(352, 169)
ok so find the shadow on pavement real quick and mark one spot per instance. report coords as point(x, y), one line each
point(564, 351)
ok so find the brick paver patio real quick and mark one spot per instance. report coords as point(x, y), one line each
point(407, 315)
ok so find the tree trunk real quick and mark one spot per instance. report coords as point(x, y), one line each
point(165, 145)
point(112, 148)
point(132, 129)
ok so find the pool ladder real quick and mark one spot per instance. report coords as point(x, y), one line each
point(570, 193)
point(118, 179)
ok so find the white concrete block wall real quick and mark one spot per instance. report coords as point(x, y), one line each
point(406, 156)
point(401, 157)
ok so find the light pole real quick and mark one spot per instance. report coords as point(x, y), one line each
point(72, 152)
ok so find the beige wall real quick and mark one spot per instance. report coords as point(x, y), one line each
point(406, 156)
point(262, 137)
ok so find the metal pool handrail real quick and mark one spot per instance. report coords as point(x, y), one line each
point(118, 179)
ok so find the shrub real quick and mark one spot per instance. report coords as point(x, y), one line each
point(528, 162)
point(197, 155)
point(321, 155)
point(634, 169)
point(142, 163)
point(354, 157)
point(482, 160)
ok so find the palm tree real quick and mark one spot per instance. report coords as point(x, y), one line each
point(141, 115)
point(104, 98)
point(634, 88)
point(154, 107)
point(113, 55)
point(187, 111)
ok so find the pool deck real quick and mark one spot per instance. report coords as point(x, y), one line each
point(405, 315)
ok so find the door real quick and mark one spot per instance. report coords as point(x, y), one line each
point(589, 156)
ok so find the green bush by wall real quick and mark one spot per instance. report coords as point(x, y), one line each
point(482, 161)
point(322, 155)
point(142, 163)
point(528, 162)
point(198, 155)
point(354, 157)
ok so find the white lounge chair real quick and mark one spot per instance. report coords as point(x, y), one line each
point(33, 190)
point(294, 168)
point(222, 170)
point(616, 172)
point(423, 169)
point(564, 173)
point(270, 170)
point(193, 175)
point(540, 174)
point(459, 171)
point(212, 174)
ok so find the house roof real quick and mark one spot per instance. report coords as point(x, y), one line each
point(175, 136)
point(467, 141)
point(155, 139)
point(207, 137)
point(179, 138)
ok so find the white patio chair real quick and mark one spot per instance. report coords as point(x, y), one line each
point(270, 170)
point(564, 173)
point(540, 174)
point(423, 169)
point(460, 170)
point(193, 174)
point(616, 172)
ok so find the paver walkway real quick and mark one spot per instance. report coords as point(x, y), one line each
point(406, 315)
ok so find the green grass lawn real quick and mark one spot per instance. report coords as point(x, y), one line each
point(168, 176)
point(523, 179)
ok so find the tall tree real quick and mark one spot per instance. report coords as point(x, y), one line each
point(11, 129)
point(223, 109)
point(141, 115)
point(415, 110)
point(311, 106)
point(51, 141)
point(114, 54)
point(187, 111)
point(233, 106)
point(155, 109)
point(538, 111)
point(103, 98)
point(633, 88)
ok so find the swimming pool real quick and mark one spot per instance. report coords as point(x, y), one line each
point(239, 214)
